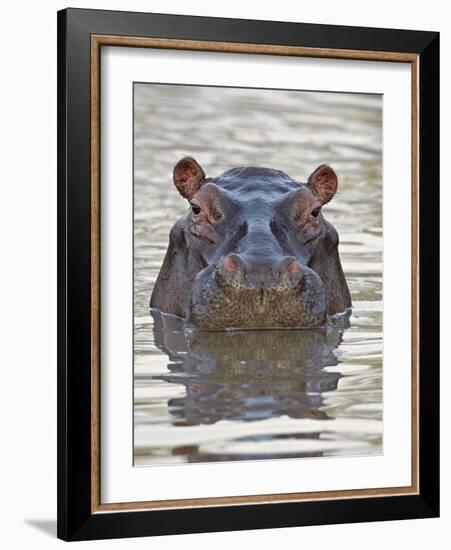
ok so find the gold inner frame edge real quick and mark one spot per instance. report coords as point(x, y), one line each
point(97, 41)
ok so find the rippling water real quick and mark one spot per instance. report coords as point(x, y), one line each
point(259, 394)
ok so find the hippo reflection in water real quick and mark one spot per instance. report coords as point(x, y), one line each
point(248, 375)
point(253, 251)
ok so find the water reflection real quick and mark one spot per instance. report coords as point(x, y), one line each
point(247, 375)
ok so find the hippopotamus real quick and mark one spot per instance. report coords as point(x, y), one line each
point(253, 251)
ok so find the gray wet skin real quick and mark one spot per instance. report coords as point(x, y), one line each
point(253, 251)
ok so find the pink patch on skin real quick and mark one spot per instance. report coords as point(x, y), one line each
point(294, 267)
point(229, 265)
point(207, 198)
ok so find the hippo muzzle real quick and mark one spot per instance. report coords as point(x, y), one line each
point(230, 295)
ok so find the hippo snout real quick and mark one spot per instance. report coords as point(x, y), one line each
point(238, 271)
point(234, 295)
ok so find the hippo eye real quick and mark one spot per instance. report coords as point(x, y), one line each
point(195, 209)
point(315, 212)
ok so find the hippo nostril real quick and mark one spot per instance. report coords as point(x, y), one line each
point(289, 265)
point(232, 263)
point(229, 265)
point(294, 267)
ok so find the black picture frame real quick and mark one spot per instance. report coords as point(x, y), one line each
point(76, 520)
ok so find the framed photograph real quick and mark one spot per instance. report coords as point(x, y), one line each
point(248, 274)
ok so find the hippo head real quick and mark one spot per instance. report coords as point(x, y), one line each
point(253, 251)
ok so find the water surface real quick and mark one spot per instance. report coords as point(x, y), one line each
point(250, 395)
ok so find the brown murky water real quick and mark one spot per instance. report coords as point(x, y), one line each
point(256, 395)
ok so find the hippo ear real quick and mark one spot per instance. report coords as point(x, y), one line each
point(188, 177)
point(323, 182)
